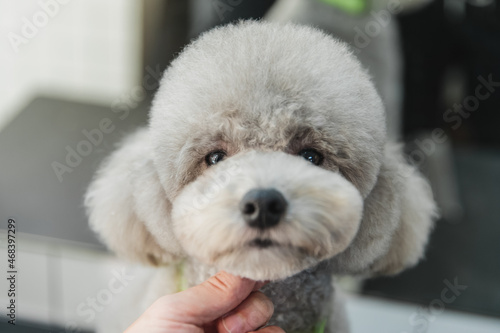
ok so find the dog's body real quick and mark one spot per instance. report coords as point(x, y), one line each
point(266, 156)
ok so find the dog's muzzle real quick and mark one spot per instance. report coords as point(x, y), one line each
point(266, 223)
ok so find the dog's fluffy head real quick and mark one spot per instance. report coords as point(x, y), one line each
point(261, 93)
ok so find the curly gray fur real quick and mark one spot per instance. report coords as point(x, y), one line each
point(302, 301)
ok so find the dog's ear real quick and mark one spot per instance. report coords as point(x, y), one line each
point(127, 206)
point(417, 214)
point(397, 219)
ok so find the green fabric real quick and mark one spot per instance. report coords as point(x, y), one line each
point(181, 280)
point(353, 7)
point(320, 327)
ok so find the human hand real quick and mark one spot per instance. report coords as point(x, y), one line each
point(223, 303)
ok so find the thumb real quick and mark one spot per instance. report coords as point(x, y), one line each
point(210, 300)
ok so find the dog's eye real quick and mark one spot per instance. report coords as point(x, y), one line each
point(215, 157)
point(312, 156)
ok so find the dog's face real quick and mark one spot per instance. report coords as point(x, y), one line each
point(264, 156)
point(266, 151)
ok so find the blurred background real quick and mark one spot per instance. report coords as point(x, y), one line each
point(76, 76)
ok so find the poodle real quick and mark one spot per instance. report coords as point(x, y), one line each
point(265, 156)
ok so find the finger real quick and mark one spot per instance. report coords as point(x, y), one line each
point(253, 313)
point(208, 301)
point(270, 329)
point(259, 284)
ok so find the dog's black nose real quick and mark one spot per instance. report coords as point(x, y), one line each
point(263, 208)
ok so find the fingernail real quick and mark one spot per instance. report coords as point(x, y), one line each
point(232, 322)
point(268, 304)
